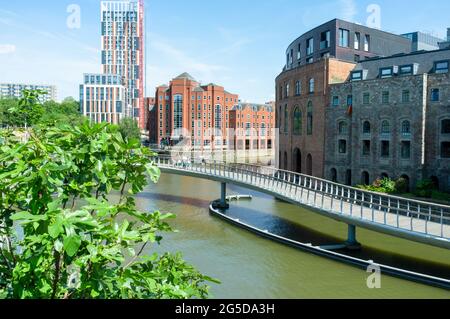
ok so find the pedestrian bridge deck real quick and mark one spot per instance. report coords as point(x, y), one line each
point(410, 219)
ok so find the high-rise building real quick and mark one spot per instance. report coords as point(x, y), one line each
point(122, 25)
point(14, 90)
point(122, 58)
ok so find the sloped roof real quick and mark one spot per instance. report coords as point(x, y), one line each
point(198, 89)
point(186, 76)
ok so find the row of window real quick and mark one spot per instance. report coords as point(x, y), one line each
point(297, 123)
point(298, 88)
point(440, 67)
point(385, 129)
point(325, 43)
point(386, 97)
point(385, 149)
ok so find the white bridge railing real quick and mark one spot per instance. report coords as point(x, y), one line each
point(406, 214)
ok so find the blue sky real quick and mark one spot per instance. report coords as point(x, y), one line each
point(239, 44)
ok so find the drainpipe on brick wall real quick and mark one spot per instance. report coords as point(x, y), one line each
point(424, 120)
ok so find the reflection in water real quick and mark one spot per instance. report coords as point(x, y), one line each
point(253, 267)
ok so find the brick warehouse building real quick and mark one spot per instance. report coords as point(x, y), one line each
point(187, 110)
point(252, 132)
point(322, 56)
point(398, 124)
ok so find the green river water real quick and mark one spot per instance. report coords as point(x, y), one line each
point(253, 267)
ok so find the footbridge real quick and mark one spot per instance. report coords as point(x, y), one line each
point(414, 220)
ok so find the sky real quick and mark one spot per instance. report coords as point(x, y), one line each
point(239, 44)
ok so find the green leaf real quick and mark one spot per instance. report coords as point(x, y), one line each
point(56, 228)
point(72, 244)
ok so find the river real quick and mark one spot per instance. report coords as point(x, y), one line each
point(252, 267)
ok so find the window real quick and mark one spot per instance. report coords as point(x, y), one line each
point(178, 111)
point(286, 93)
point(310, 46)
point(298, 88)
point(357, 41)
point(299, 52)
point(342, 147)
point(406, 150)
point(311, 85)
point(386, 72)
point(385, 128)
point(405, 96)
point(356, 76)
point(366, 148)
point(441, 67)
point(385, 97)
point(325, 38)
point(310, 60)
point(366, 127)
point(435, 95)
point(281, 92)
point(292, 57)
point(218, 117)
point(367, 43)
point(344, 38)
point(297, 121)
point(366, 98)
point(385, 149)
point(286, 116)
point(335, 100)
point(406, 128)
point(406, 70)
point(445, 127)
point(445, 149)
point(310, 118)
point(357, 58)
point(343, 128)
point(349, 100)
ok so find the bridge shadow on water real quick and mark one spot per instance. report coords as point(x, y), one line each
point(298, 232)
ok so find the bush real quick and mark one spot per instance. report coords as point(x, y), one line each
point(62, 234)
point(402, 185)
point(424, 188)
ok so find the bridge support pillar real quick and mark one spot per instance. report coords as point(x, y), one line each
point(222, 203)
point(351, 242)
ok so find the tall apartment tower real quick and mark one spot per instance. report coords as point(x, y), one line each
point(122, 24)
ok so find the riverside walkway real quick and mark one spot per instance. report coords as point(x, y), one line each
point(409, 219)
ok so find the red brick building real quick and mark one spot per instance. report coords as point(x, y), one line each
point(253, 126)
point(185, 109)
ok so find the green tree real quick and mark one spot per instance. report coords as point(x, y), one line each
point(129, 129)
point(6, 117)
point(66, 112)
point(29, 110)
point(71, 190)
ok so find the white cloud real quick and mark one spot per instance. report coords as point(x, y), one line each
point(7, 48)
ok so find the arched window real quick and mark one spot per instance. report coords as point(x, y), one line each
point(286, 119)
point(309, 165)
point(365, 178)
point(285, 161)
point(310, 118)
point(333, 175)
point(385, 128)
point(366, 127)
point(297, 121)
point(343, 128)
point(178, 111)
point(406, 128)
point(384, 176)
point(297, 160)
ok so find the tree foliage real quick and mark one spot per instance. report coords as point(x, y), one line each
point(28, 110)
point(69, 226)
point(129, 129)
